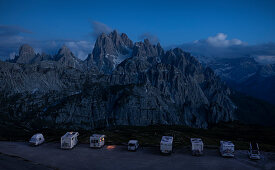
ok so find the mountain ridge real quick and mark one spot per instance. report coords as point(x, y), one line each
point(150, 86)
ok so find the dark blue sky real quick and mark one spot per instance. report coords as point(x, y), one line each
point(172, 22)
point(46, 24)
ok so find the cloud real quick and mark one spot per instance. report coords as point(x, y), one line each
point(219, 46)
point(99, 28)
point(152, 38)
point(12, 37)
point(6, 30)
point(265, 59)
point(80, 48)
point(219, 40)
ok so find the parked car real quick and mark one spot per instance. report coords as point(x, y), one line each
point(37, 139)
point(133, 145)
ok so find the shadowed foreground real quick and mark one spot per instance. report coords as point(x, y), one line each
point(117, 157)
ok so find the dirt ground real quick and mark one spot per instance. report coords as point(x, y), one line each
point(19, 155)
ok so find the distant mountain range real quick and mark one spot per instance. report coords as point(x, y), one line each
point(246, 75)
point(120, 83)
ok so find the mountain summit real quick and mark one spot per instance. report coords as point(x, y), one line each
point(66, 57)
point(26, 54)
point(110, 50)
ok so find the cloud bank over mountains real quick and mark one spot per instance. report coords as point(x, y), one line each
point(12, 37)
point(220, 40)
point(219, 46)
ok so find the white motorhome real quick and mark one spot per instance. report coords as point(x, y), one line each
point(197, 146)
point(37, 139)
point(166, 144)
point(133, 145)
point(69, 140)
point(227, 148)
point(97, 141)
point(254, 151)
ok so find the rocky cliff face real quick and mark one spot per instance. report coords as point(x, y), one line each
point(26, 55)
point(66, 58)
point(120, 83)
point(109, 51)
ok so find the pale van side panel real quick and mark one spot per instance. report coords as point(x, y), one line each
point(197, 147)
point(166, 147)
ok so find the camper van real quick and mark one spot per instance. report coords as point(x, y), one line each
point(37, 139)
point(133, 145)
point(97, 141)
point(254, 152)
point(196, 146)
point(69, 140)
point(227, 148)
point(166, 144)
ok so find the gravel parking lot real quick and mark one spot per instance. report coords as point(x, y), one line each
point(49, 155)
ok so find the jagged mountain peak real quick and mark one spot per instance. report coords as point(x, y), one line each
point(26, 47)
point(266, 70)
point(136, 84)
point(109, 51)
point(146, 49)
point(64, 51)
point(67, 58)
point(26, 54)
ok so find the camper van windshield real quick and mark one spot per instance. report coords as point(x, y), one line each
point(229, 147)
point(33, 139)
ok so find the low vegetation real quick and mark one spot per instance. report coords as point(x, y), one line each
point(240, 134)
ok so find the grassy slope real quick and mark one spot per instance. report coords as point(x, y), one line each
point(253, 111)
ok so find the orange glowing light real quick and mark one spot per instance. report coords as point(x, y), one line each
point(110, 147)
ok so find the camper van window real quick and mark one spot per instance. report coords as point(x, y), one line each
point(131, 144)
point(39, 138)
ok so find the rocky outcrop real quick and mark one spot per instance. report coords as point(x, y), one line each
point(109, 51)
point(66, 58)
point(26, 55)
point(149, 86)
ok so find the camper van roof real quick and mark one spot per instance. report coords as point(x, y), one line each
point(227, 143)
point(132, 141)
point(70, 134)
point(196, 140)
point(37, 134)
point(167, 139)
point(97, 135)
